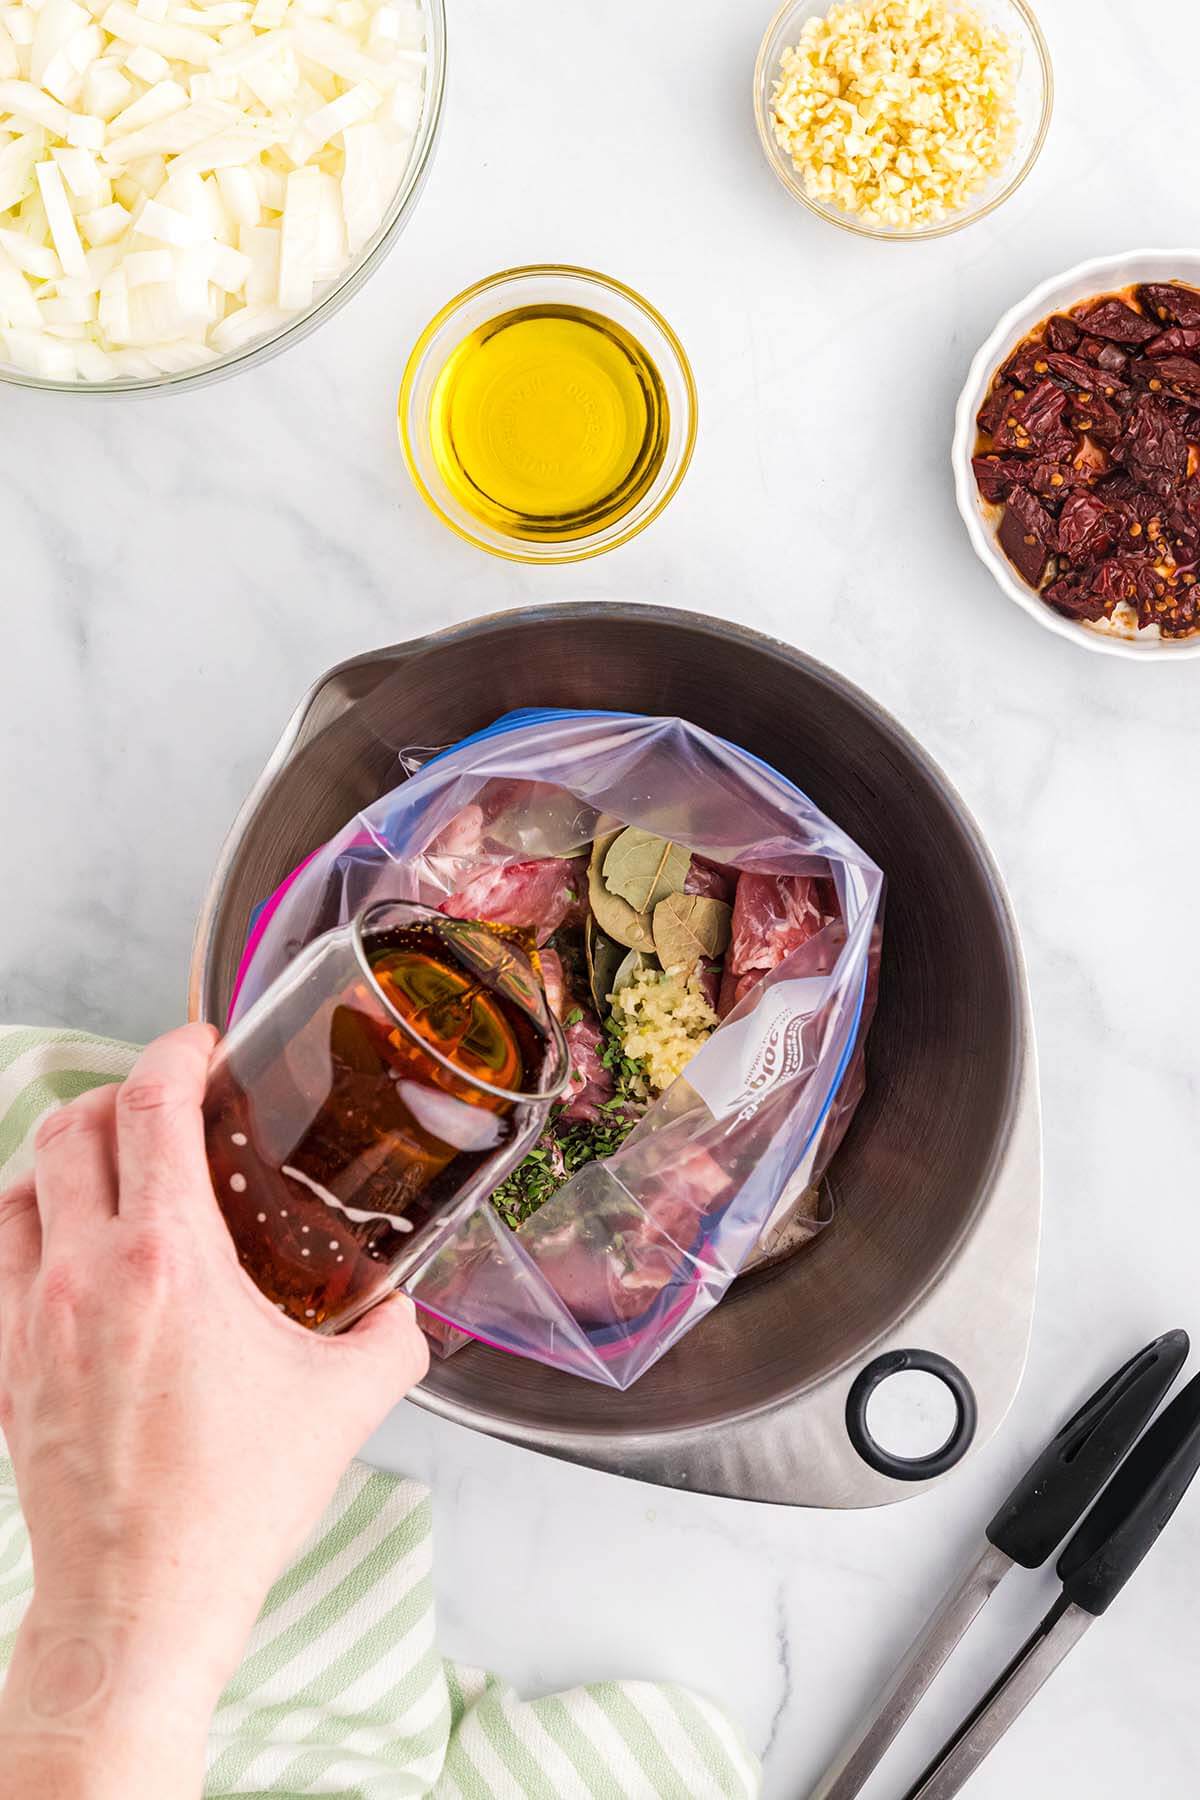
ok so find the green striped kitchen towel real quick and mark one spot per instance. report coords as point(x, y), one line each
point(342, 1690)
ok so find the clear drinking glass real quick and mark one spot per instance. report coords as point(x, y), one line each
point(372, 1098)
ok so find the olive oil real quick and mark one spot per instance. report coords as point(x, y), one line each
point(549, 423)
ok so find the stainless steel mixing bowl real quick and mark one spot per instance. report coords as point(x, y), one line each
point(937, 1186)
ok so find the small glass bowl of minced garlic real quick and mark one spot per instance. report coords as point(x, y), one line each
point(547, 414)
point(903, 119)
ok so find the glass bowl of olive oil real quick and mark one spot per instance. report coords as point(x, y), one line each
point(547, 414)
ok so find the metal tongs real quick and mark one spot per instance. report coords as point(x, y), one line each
point(1146, 1481)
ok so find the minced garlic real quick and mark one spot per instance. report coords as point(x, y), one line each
point(898, 110)
point(663, 1018)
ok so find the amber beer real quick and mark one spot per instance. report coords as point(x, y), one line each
point(377, 1092)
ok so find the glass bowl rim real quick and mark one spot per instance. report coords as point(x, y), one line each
point(362, 923)
point(342, 288)
point(573, 550)
point(877, 234)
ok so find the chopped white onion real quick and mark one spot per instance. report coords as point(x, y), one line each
point(105, 224)
point(57, 22)
point(178, 43)
point(60, 218)
point(85, 49)
point(10, 64)
point(75, 308)
point(179, 178)
point(92, 363)
point(351, 108)
point(181, 129)
point(164, 98)
point(86, 132)
point(106, 90)
point(82, 174)
point(228, 268)
point(38, 260)
point(28, 103)
point(241, 328)
point(17, 162)
point(17, 304)
point(21, 22)
point(143, 266)
point(239, 195)
point(40, 353)
point(147, 64)
point(167, 225)
point(259, 244)
point(298, 239)
point(173, 359)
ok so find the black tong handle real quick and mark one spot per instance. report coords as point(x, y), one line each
point(1058, 1488)
point(1126, 1520)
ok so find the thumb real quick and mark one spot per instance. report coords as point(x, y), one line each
point(392, 1344)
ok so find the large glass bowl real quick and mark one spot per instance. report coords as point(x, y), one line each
point(547, 285)
point(335, 294)
point(1035, 103)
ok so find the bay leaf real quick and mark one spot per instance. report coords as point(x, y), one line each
point(643, 868)
point(689, 928)
point(602, 843)
point(614, 916)
point(604, 958)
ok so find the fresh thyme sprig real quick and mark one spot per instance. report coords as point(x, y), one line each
point(565, 1147)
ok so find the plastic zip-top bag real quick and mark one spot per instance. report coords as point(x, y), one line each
point(631, 1251)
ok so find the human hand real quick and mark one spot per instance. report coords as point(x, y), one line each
point(174, 1436)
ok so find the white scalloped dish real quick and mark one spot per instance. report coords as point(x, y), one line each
point(1101, 275)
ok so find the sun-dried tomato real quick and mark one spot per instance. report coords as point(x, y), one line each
point(1072, 595)
point(1089, 378)
point(1125, 579)
point(1176, 339)
point(1090, 412)
point(1116, 320)
point(1181, 615)
point(1187, 501)
point(1051, 482)
point(996, 475)
point(1071, 369)
point(1019, 370)
point(1116, 485)
point(1086, 441)
point(1034, 517)
point(1170, 301)
point(1062, 333)
point(1036, 424)
point(1180, 375)
point(1028, 535)
point(1087, 527)
point(996, 406)
point(1151, 445)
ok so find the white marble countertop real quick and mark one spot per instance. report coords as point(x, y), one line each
point(176, 571)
